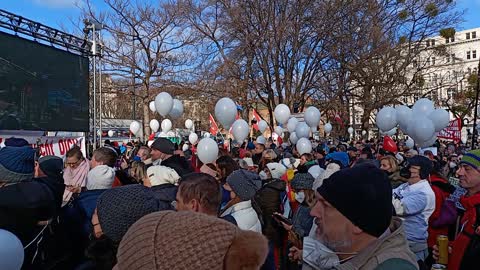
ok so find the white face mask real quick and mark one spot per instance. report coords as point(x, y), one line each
point(320, 256)
point(263, 175)
point(300, 196)
point(452, 165)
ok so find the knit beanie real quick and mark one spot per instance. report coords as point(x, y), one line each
point(302, 181)
point(52, 166)
point(276, 169)
point(163, 145)
point(363, 195)
point(100, 177)
point(16, 163)
point(118, 208)
point(187, 240)
point(16, 142)
point(244, 183)
point(471, 158)
point(162, 175)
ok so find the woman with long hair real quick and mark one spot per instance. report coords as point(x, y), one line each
point(75, 173)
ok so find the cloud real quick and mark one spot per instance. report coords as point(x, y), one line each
point(58, 3)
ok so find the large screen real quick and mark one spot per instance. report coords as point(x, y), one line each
point(41, 87)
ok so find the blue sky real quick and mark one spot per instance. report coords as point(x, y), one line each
point(61, 13)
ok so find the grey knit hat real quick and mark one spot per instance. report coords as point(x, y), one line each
point(244, 183)
point(302, 181)
point(163, 145)
point(118, 208)
point(16, 163)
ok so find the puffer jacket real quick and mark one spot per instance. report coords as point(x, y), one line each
point(166, 194)
point(245, 216)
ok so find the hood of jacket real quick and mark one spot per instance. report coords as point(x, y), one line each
point(179, 164)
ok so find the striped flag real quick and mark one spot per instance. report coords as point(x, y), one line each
point(213, 126)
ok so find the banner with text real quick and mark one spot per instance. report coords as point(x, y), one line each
point(453, 131)
point(49, 145)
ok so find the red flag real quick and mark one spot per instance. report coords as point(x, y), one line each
point(213, 126)
point(257, 118)
point(453, 131)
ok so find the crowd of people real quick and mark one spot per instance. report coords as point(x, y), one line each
point(367, 204)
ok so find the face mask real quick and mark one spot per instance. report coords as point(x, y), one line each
point(320, 256)
point(452, 165)
point(263, 175)
point(137, 158)
point(300, 196)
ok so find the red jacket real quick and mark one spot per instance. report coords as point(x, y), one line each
point(440, 197)
point(460, 244)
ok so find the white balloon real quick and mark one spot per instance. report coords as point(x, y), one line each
point(312, 116)
point(364, 132)
point(111, 133)
point(240, 130)
point(163, 103)
point(185, 147)
point(386, 118)
point(261, 140)
point(225, 112)
point(278, 130)
point(207, 135)
point(302, 130)
point(404, 114)
point(428, 142)
point(154, 125)
point(410, 143)
point(11, 251)
point(422, 129)
point(188, 124)
point(328, 128)
point(177, 109)
point(262, 126)
point(440, 119)
point(292, 124)
point(313, 129)
point(315, 171)
point(166, 125)
point(207, 150)
point(423, 106)
point(193, 138)
point(464, 140)
point(350, 130)
point(282, 113)
point(293, 138)
point(304, 146)
point(135, 127)
point(151, 105)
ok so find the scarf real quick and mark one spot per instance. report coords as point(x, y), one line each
point(75, 177)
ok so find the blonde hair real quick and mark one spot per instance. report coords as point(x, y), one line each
point(138, 171)
point(392, 162)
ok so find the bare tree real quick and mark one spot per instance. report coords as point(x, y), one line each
point(146, 43)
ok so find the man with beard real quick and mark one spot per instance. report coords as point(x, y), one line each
point(354, 224)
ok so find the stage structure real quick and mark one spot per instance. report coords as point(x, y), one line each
point(44, 76)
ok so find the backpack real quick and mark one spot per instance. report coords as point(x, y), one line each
point(448, 212)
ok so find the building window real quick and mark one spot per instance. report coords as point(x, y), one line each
point(433, 61)
point(474, 54)
point(474, 34)
point(447, 59)
point(433, 42)
point(450, 92)
point(468, 55)
point(453, 57)
point(467, 35)
point(428, 61)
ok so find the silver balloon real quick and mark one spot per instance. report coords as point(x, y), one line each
point(225, 112)
point(328, 128)
point(163, 103)
point(302, 130)
point(282, 113)
point(293, 138)
point(312, 116)
point(386, 118)
point(304, 146)
point(240, 130)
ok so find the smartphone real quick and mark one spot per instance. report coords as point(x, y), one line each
point(279, 218)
